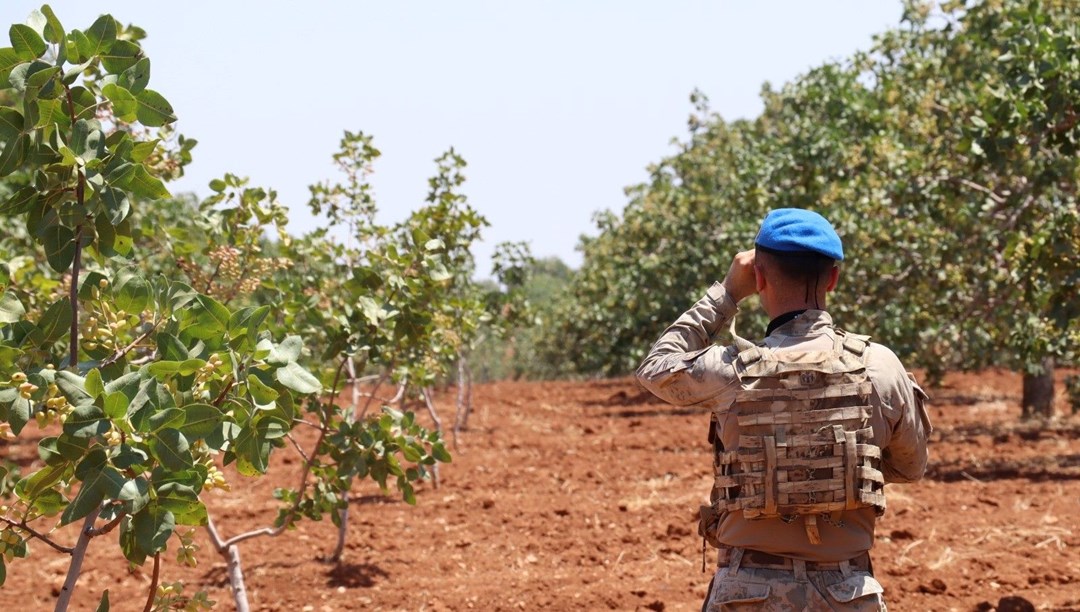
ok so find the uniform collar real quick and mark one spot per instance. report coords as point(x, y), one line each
point(800, 323)
point(784, 318)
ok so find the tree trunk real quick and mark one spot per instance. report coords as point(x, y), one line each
point(343, 531)
point(235, 570)
point(426, 393)
point(77, 556)
point(464, 399)
point(1038, 399)
point(236, 579)
point(351, 367)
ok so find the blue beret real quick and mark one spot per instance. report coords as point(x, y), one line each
point(794, 230)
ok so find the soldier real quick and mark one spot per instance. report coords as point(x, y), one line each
point(806, 426)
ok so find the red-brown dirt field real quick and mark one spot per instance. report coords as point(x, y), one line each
point(581, 496)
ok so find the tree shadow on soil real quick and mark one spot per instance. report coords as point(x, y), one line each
point(1065, 467)
point(623, 398)
point(634, 414)
point(354, 575)
point(373, 498)
point(218, 576)
point(964, 399)
point(1023, 431)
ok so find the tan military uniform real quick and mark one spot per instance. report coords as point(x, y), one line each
point(685, 368)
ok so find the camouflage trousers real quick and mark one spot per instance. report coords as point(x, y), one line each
point(756, 588)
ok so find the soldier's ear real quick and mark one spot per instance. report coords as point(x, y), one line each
point(759, 276)
point(834, 278)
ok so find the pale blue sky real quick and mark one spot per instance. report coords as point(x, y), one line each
point(556, 105)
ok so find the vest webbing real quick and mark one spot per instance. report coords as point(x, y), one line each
point(805, 444)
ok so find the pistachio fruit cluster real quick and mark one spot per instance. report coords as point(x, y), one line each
point(26, 388)
point(55, 409)
point(102, 333)
point(9, 541)
point(114, 437)
point(206, 372)
point(215, 479)
point(170, 596)
point(188, 548)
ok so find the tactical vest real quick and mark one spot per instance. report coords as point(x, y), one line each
point(806, 444)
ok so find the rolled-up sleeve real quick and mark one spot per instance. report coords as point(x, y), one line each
point(904, 449)
point(684, 367)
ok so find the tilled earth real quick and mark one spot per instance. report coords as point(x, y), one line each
point(581, 496)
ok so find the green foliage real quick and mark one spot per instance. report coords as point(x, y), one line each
point(128, 446)
point(155, 338)
point(391, 446)
point(945, 156)
point(399, 298)
point(531, 291)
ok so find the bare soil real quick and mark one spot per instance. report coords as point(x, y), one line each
point(581, 496)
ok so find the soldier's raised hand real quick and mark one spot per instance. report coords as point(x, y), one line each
point(741, 280)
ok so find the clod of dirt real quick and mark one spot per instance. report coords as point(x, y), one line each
point(1015, 603)
point(677, 531)
point(937, 586)
point(657, 606)
point(488, 504)
point(901, 534)
point(984, 606)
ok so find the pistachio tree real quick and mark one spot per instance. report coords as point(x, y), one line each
point(968, 171)
point(146, 378)
point(945, 156)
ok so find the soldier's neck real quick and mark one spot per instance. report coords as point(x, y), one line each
point(777, 307)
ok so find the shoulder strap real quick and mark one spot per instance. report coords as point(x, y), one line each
point(748, 352)
point(852, 343)
point(740, 343)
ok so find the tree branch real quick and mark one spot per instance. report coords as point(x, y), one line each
point(77, 555)
point(23, 526)
point(215, 537)
point(223, 546)
point(1019, 212)
point(212, 277)
point(255, 533)
point(73, 296)
point(236, 571)
point(337, 379)
point(990, 193)
point(107, 527)
point(374, 390)
point(111, 359)
point(153, 584)
point(224, 391)
point(297, 445)
point(308, 423)
point(76, 262)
